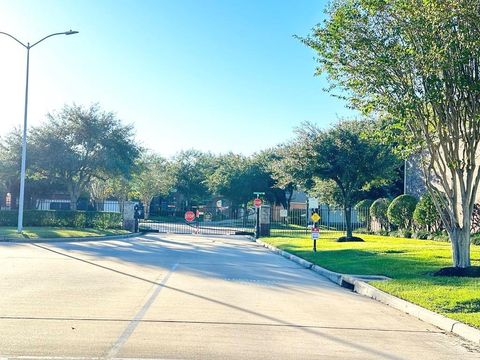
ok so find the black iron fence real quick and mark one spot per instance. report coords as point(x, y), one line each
point(201, 220)
point(331, 219)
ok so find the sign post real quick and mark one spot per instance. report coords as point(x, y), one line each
point(257, 202)
point(315, 231)
point(315, 234)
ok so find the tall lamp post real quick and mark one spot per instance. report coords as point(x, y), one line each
point(24, 137)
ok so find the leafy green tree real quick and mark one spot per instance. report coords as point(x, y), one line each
point(363, 211)
point(190, 169)
point(400, 211)
point(426, 214)
point(327, 192)
point(78, 144)
point(343, 154)
point(10, 158)
point(155, 178)
point(236, 177)
point(378, 211)
point(231, 178)
point(415, 65)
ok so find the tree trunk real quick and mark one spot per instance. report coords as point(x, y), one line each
point(460, 239)
point(73, 197)
point(348, 220)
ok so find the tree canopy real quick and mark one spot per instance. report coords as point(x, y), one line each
point(78, 144)
point(415, 65)
point(345, 155)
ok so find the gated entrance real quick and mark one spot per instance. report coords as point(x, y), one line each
point(207, 221)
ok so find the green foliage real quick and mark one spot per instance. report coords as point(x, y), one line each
point(236, 177)
point(154, 178)
point(190, 170)
point(414, 65)
point(366, 203)
point(344, 154)
point(378, 211)
point(363, 208)
point(10, 158)
point(79, 144)
point(475, 239)
point(400, 211)
point(327, 192)
point(74, 219)
point(426, 214)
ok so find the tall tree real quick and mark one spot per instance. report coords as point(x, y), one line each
point(236, 177)
point(231, 179)
point(78, 144)
point(190, 169)
point(343, 154)
point(155, 178)
point(415, 63)
point(10, 157)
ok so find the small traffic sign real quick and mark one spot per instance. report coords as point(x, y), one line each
point(257, 202)
point(315, 217)
point(189, 216)
point(315, 233)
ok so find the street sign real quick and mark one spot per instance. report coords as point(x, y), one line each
point(257, 202)
point(315, 233)
point(189, 216)
point(219, 204)
point(315, 217)
point(283, 213)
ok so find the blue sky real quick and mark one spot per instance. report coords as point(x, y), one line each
point(215, 75)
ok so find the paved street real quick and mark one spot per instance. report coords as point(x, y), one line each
point(187, 297)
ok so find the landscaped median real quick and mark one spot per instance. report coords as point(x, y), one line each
point(409, 263)
point(32, 233)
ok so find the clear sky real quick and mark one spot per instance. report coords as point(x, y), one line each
point(215, 75)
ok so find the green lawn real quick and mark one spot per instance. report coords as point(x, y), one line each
point(52, 232)
point(409, 262)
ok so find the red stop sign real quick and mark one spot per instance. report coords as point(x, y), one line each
point(257, 202)
point(189, 216)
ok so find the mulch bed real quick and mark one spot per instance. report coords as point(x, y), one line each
point(347, 239)
point(472, 271)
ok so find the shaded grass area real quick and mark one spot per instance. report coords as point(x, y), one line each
point(53, 232)
point(409, 262)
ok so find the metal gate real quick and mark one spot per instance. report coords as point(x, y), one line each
point(207, 221)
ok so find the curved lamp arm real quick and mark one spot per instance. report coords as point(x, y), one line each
point(14, 38)
point(28, 46)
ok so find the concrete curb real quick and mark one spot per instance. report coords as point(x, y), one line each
point(358, 284)
point(70, 239)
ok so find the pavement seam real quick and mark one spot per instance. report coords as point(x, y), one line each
point(155, 291)
point(363, 288)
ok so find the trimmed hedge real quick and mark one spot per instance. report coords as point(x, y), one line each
point(74, 219)
point(400, 211)
point(378, 211)
point(426, 215)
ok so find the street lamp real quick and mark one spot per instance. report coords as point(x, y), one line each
point(24, 137)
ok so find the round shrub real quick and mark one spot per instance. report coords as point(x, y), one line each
point(363, 208)
point(400, 211)
point(426, 214)
point(378, 211)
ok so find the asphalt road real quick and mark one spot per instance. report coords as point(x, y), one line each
point(191, 297)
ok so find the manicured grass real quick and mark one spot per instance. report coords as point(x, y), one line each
point(409, 262)
point(52, 232)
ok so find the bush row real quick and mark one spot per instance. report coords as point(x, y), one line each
point(75, 219)
point(405, 215)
